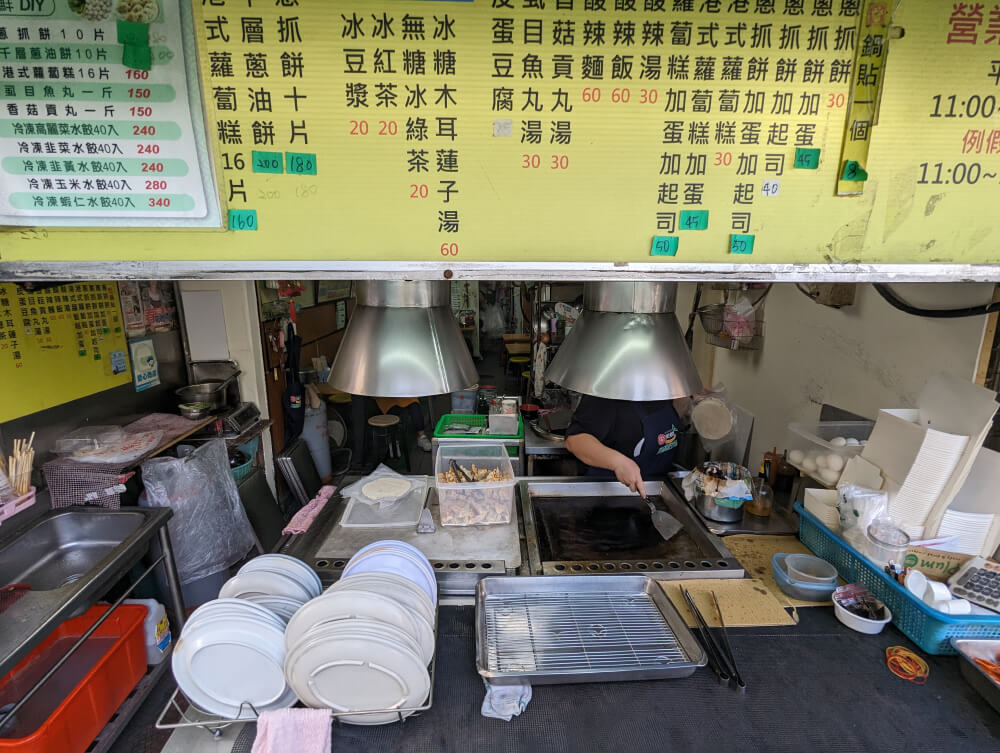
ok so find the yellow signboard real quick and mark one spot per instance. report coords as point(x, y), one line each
point(59, 344)
point(656, 131)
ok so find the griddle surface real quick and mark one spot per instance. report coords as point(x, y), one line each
point(606, 528)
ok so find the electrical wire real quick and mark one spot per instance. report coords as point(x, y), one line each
point(896, 302)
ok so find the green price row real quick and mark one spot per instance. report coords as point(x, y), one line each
point(667, 245)
point(292, 162)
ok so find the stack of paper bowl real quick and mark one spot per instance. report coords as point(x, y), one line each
point(364, 645)
point(276, 581)
point(229, 660)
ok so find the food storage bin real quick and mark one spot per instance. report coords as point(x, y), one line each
point(464, 401)
point(81, 697)
point(803, 590)
point(811, 448)
point(474, 503)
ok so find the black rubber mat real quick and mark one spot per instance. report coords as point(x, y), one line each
point(814, 687)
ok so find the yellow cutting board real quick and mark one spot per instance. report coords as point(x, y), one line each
point(745, 602)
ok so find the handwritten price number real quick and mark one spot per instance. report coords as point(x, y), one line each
point(738, 245)
point(301, 164)
point(449, 249)
point(771, 188)
point(243, 221)
point(851, 170)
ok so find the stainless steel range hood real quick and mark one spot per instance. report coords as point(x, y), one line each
point(402, 341)
point(627, 345)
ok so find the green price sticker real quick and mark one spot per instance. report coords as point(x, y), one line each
point(139, 58)
point(694, 219)
point(741, 244)
point(133, 34)
point(853, 172)
point(664, 245)
point(300, 164)
point(242, 219)
point(806, 159)
point(267, 162)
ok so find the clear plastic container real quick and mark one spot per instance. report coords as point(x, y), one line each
point(475, 503)
point(503, 424)
point(886, 543)
point(804, 568)
point(405, 513)
point(88, 439)
point(812, 450)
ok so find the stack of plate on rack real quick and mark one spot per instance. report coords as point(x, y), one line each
point(276, 581)
point(363, 647)
point(229, 660)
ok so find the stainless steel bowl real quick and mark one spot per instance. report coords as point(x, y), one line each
point(707, 506)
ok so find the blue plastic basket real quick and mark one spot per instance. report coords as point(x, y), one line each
point(928, 628)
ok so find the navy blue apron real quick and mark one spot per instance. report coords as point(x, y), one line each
point(656, 451)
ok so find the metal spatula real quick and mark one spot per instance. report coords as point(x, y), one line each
point(665, 523)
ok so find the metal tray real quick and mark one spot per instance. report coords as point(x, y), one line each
point(969, 648)
point(580, 628)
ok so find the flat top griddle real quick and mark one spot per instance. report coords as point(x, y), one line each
point(600, 527)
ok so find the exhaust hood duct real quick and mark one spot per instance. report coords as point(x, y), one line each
point(627, 345)
point(402, 341)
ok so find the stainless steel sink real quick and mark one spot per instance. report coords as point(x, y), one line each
point(61, 549)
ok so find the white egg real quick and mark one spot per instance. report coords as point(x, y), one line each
point(821, 461)
point(829, 476)
point(795, 457)
point(852, 442)
point(838, 442)
point(835, 462)
point(809, 465)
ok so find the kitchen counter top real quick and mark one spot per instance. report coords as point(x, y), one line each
point(814, 686)
point(536, 445)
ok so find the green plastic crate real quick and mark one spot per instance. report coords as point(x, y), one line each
point(472, 419)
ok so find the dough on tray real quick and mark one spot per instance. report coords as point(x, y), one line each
point(386, 487)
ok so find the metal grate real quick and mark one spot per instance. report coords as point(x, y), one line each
point(577, 632)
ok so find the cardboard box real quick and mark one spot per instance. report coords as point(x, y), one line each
point(934, 563)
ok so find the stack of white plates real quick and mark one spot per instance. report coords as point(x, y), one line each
point(276, 581)
point(936, 461)
point(365, 644)
point(230, 655)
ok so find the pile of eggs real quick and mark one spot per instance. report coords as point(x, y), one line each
point(825, 466)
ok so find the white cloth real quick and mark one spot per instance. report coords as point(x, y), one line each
point(505, 701)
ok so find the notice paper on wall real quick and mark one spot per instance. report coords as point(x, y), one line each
point(102, 118)
point(144, 364)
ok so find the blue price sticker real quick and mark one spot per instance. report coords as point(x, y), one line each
point(694, 219)
point(806, 159)
point(300, 164)
point(664, 245)
point(741, 244)
point(267, 162)
point(242, 219)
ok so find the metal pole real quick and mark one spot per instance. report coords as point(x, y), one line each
point(173, 580)
point(79, 642)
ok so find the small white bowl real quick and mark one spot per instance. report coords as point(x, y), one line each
point(861, 624)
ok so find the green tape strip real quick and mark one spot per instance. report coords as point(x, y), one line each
point(139, 58)
point(133, 34)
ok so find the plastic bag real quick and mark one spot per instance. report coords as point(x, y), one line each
point(209, 530)
point(858, 508)
point(384, 504)
point(725, 482)
point(492, 318)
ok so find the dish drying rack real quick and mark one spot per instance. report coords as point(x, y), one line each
point(191, 716)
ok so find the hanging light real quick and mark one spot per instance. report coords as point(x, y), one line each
point(626, 345)
point(402, 341)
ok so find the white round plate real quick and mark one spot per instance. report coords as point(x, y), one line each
point(234, 608)
point(401, 589)
point(398, 562)
point(359, 673)
point(291, 566)
point(282, 606)
point(326, 631)
point(398, 546)
point(264, 582)
point(220, 664)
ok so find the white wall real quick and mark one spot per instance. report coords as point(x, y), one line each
point(860, 358)
point(242, 327)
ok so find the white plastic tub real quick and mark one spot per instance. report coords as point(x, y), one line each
point(476, 503)
point(812, 450)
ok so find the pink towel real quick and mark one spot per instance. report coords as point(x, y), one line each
point(294, 731)
point(304, 518)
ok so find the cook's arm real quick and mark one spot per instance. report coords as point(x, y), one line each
point(591, 451)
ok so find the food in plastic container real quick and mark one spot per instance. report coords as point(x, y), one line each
point(856, 608)
point(475, 484)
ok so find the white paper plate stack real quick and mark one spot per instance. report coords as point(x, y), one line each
point(365, 644)
point(276, 581)
point(970, 530)
point(231, 654)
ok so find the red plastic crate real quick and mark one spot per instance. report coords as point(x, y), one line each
point(111, 662)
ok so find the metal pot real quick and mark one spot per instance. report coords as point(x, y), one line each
point(707, 506)
point(212, 391)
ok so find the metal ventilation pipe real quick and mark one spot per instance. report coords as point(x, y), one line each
point(402, 341)
point(627, 345)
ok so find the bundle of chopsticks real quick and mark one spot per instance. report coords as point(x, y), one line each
point(16, 469)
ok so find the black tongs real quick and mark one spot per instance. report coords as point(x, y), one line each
point(459, 473)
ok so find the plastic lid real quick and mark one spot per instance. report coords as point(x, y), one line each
point(805, 568)
point(885, 533)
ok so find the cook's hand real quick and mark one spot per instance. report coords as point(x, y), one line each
point(628, 473)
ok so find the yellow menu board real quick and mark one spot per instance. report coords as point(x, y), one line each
point(59, 344)
point(656, 131)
